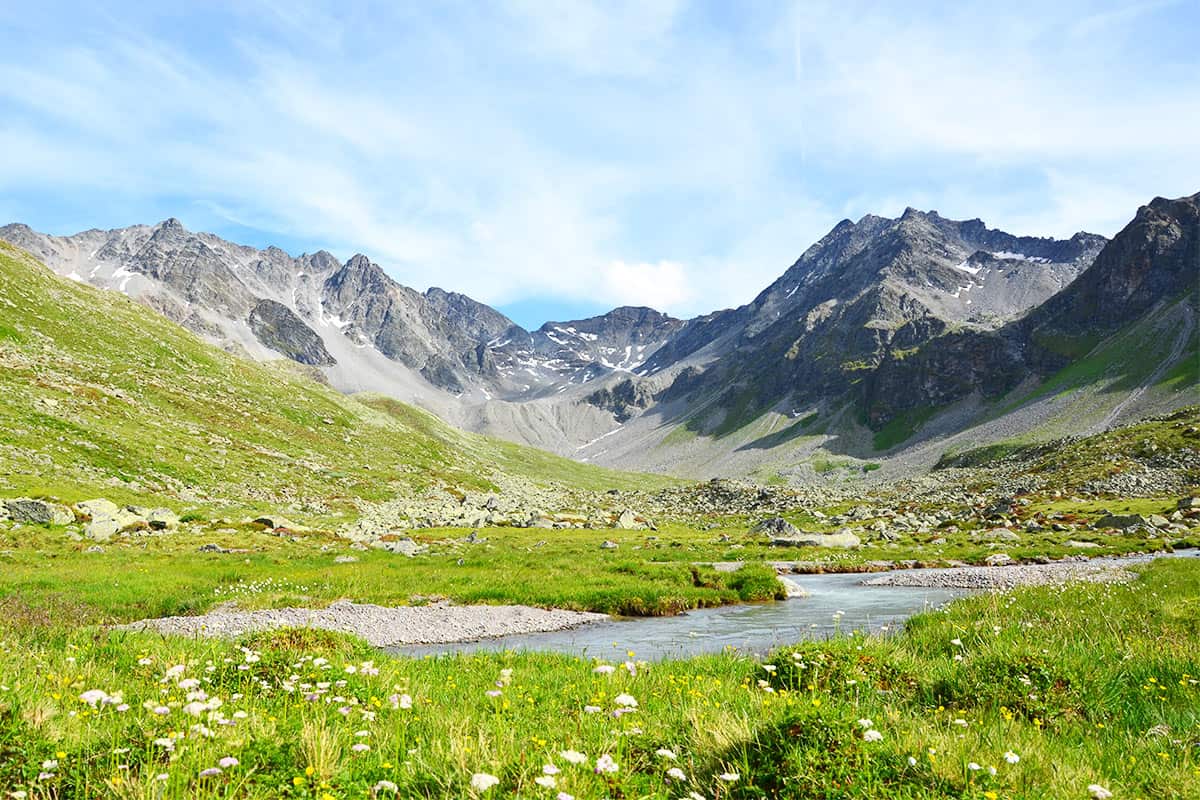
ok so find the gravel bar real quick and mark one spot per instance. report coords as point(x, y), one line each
point(381, 626)
point(1006, 577)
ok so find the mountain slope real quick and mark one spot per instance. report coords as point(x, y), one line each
point(364, 329)
point(99, 396)
point(885, 335)
point(1150, 267)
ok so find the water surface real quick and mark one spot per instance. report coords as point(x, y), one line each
point(835, 602)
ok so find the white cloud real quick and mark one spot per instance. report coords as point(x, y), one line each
point(588, 151)
point(662, 285)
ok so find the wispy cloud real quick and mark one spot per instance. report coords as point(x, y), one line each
point(671, 153)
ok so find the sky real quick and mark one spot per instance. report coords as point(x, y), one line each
point(556, 159)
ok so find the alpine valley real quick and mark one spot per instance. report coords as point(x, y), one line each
point(888, 345)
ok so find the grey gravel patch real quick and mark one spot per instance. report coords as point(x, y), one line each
point(379, 625)
point(1004, 577)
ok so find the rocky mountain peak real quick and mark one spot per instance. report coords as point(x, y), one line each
point(170, 225)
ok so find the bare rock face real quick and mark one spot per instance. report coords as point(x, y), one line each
point(624, 400)
point(278, 328)
point(881, 320)
point(869, 295)
point(1152, 259)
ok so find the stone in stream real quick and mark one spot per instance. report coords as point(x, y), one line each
point(792, 589)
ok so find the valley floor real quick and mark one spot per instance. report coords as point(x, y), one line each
point(1008, 695)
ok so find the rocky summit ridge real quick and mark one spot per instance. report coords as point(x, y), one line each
point(883, 335)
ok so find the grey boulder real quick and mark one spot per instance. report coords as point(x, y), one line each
point(803, 539)
point(38, 512)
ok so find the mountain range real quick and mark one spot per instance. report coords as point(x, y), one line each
point(886, 344)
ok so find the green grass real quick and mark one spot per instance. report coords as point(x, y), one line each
point(139, 410)
point(680, 434)
point(902, 428)
point(1124, 360)
point(1077, 697)
point(651, 573)
point(1185, 376)
point(1076, 462)
point(1068, 346)
point(742, 409)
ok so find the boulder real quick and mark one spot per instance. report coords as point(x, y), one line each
point(276, 521)
point(1188, 503)
point(98, 509)
point(608, 544)
point(803, 539)
point(1158, 521)
point(38, 512)
point(627, 521)
point(999, 535)
point(345, 560)
point(776, 526)
point(1122, 522)
point(101, 530)
point(404, 547)
point(998, 560)
point(1081, 545)
point(106, 511)
point(162, 519)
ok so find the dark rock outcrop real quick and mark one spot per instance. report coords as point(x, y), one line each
point(278, 328)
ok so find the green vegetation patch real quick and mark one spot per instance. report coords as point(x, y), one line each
point(902, 427)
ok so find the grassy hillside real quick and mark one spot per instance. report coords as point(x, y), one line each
point(1170, 440)
point(100, 396)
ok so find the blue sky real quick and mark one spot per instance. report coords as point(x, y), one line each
point(560, 158)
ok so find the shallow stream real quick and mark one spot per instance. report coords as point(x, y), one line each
point(835, 602)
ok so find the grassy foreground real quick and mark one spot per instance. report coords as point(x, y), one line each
point(1001, 696)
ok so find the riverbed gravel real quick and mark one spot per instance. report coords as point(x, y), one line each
point(379, 625)
point(1006, 577)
